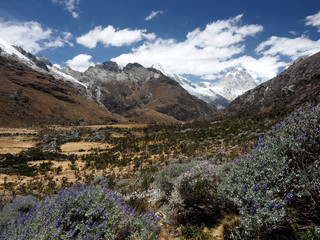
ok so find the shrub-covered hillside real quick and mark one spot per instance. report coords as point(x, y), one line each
point(271, 192)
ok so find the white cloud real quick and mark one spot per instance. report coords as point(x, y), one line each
point(314, 20)
point(290, 47)
point(220, 47)
point(265, 67)
point(33, 37)
point(80, 62)
point(204, 53)
point(110, 36)
point(293, 32)
point(152, 15)
point(70, 5)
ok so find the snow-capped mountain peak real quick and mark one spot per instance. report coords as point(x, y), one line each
point(201, 90)
point(221, 93)
point(235, 83)
point(240, 75)
point(159, 67)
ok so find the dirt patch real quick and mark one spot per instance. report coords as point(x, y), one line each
point(16, 144)
point(81, 148)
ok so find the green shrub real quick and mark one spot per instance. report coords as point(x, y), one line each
point(145, 181)
point(139, 204)
point(194, 198)
point(195, 233)
point(278, 178)
point(311, 234)
point(166, 178)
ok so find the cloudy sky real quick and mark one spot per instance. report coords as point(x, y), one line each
point(201, 39)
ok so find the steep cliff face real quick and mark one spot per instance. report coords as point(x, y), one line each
point(297, 85)
point(134, 90)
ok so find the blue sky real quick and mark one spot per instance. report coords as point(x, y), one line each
point(201, 39)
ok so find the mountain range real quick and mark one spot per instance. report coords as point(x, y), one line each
point(131, 94)
point(34, 92)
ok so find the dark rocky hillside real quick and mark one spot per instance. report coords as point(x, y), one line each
point(141, 94)
point(30, 98)
point(297, 85)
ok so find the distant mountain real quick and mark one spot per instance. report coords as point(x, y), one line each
point(218, 94)
point(140, 93)
point(200, 90)
point(235, 83)
point(298, 84)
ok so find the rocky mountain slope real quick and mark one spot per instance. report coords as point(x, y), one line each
point(141, 94)
point(134, 93)
point(32, 98)
point(218, 94)
point(297, 85)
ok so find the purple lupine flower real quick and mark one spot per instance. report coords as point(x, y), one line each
point(73, 225)
point(271, 206)
point(279, 205)
point(101, 224)
point(253, 209)
point(71, 233)
point(55, 236)
point(288, 197)
point(299, 110)
point(263, 164)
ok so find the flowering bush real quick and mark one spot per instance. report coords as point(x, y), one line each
point(82, 212)
point(20, 205)
point(194, 199)
point(280, 177)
